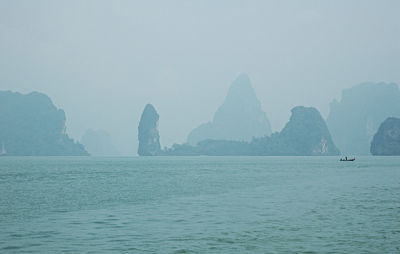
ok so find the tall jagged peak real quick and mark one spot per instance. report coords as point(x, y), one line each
point(148, 135)
point(240, 117)
point(241, 89)
point(149, 115)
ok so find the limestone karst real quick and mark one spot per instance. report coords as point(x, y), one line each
point(387, 139)
point(306, 134)
point(240, 117)
point(354, 119)
point(148, 135)
point(30, 124)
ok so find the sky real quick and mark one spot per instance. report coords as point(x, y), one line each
point(103, 61)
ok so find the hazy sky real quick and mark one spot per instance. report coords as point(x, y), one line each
point(102, 61)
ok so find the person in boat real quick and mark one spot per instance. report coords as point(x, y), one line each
point(347, 159)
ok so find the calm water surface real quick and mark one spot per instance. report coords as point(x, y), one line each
point(199, 205)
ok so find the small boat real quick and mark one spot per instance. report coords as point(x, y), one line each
point(347, 159)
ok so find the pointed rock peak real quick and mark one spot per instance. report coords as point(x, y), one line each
point(242, 79)
point(241, 88)
point(149, 109)
point(240, 117)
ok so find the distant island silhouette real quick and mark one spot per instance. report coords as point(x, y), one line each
point(305, 134)
point(387, 139)
point(354, 119)
point(31, 125)
point(239, 118)
point(99, 143)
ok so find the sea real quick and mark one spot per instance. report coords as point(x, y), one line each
point(199, 205)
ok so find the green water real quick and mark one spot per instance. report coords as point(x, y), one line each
point(199, 205)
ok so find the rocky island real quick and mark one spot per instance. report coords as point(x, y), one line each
point(31, 125)
point(387, 140)
point(148, 135)
point(305, 134)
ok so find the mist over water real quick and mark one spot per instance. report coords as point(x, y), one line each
point(102, 61)
point(199, 205)
point(238, 110)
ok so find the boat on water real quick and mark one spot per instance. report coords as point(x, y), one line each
point(347, 159)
